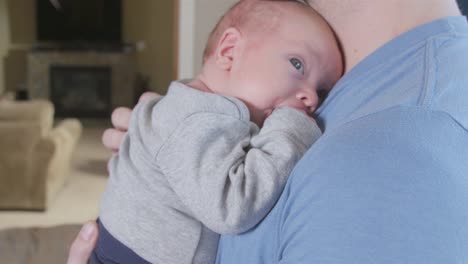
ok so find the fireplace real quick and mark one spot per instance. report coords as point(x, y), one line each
point(80, 91)
point(82, 84)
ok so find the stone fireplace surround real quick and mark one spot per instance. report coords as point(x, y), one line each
point(121, 64)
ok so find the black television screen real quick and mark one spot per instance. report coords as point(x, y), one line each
point(79, 20)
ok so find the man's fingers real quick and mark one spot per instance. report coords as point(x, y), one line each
point(83, 245)
point(148, 96)
point(121, 118)
point(112, 138)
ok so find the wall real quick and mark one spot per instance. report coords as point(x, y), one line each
point(153, 23)
point(186, 54)
point(21, 16)
point(4, 40)
point(197, 19)
point(149, 21)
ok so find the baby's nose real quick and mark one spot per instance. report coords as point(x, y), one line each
point(309, 99)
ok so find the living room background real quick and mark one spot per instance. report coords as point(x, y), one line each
point(149, 23)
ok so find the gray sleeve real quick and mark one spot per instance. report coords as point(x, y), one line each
point(227, 174)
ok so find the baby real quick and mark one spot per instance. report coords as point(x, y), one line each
point(195, 164)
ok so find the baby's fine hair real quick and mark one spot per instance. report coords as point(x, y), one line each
point(246, 16)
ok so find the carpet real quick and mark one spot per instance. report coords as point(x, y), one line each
point(47, 245)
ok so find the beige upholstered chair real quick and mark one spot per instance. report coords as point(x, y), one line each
point(34, 156)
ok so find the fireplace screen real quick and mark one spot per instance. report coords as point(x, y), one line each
point(81, 91)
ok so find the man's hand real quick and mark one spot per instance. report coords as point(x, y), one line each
point(112, 137)
point(83, 245)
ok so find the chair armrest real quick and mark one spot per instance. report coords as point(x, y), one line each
point(60, 142)
point(70, 125)
point(58, 145)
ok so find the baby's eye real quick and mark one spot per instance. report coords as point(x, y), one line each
point(297, 64)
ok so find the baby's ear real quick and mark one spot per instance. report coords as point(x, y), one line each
point(225, 50)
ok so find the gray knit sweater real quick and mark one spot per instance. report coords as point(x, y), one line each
point(193, 166)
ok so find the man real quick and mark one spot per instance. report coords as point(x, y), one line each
point(388, 181)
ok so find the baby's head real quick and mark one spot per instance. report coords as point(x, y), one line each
point(272, 53)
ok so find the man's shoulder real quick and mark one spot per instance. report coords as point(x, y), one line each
point(402, 147)
point(447, 81)
point(388, 134)
point(395, 174)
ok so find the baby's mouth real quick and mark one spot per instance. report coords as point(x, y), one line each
point(268, 113)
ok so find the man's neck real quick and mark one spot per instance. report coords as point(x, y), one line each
point(362, 26)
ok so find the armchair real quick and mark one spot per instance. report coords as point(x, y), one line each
point(34, 156)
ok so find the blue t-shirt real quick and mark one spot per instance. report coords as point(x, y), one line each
point(388, 180)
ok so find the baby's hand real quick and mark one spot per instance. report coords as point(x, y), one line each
point(302, 108)
point(305, 104)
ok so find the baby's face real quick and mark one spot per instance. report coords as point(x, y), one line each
point(289, 67)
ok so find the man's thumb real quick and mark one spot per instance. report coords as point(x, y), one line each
point(83, 245)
